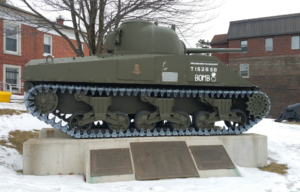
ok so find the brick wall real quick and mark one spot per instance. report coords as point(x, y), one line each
point(277, 76)
point(276, 72)
point(1, 50)
point(32, 47)
point(224, 57)
point(256, 47)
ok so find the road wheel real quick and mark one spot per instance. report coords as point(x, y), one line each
point(241, 115)
point(198, 121)
point(139, 121)
point(74, 120)
point(185, 121)
point(125, 122)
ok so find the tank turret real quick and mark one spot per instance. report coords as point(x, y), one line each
point(143, 37)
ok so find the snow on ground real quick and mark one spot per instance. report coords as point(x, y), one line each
point(17, 106)
point(23, 122)
point(17, 97)
point(10, 158)
point(283, 147)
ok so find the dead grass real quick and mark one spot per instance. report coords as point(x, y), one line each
point(17, 138)
point(275, 168)
point(292, 123)
point(11, 112)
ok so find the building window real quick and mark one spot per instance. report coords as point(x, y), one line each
point(12, 76)
point(244, 46)
point(12, 38)
point(269, 44)
point(295, 42)
point(47, 45)
point(244, 70)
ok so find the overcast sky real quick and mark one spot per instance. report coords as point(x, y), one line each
point(234, 10)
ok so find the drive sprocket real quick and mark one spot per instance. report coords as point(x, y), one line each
point(258, 105)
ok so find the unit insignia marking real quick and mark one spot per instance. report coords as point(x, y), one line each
point(136, 69)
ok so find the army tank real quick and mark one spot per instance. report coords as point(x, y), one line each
point(146, 83)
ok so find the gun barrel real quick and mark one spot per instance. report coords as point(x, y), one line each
point(213, 50)
point(291, 107)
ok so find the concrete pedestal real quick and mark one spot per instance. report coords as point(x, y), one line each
point(55, 153)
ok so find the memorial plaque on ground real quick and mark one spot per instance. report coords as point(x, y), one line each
point(159, 160)
point(210, 157)
point(106, 162)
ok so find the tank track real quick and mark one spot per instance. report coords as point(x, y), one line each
point(135, 91)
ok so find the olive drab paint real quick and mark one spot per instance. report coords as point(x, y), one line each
point(139, 52)
point(145, 78)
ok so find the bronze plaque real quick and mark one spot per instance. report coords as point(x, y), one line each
point(110, 162)
point(159, 160)
point(209, 157)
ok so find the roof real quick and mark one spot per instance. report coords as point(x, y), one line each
point(265, 26)
point(30, 13)
point(17, 9)
point(219, 39)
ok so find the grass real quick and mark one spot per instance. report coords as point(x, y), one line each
point(275, 168)
point(17, 138)
point(293, 123)
point(11, 112)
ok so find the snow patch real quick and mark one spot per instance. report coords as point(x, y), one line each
point(283, 147)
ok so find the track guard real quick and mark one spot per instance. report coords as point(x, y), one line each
point(100, 112)
point(164, 109)
point(223, 109)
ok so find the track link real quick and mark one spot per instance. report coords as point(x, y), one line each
point(135, 91)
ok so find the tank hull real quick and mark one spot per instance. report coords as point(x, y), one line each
point(175, 70)
point(145, 82)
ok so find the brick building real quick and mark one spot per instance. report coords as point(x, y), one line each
point(270, 58)
point(20, 43)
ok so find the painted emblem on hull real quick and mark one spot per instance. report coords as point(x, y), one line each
point(136, 69)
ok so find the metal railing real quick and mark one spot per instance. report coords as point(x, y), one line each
point(12, 88)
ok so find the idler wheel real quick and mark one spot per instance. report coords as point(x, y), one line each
point(46, 102)
point(185, 121)
point(241, 115)
point(139, 121)
point(198, 121)
point(258, 105)
point(74, 123)
point(123, 118)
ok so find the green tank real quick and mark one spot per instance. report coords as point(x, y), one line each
point(146, 83)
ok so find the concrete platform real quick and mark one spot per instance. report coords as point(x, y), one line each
point(53, 133)
point(54, 153)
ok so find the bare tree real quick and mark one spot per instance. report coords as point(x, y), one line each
point(203, 44)
point(91, 20)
